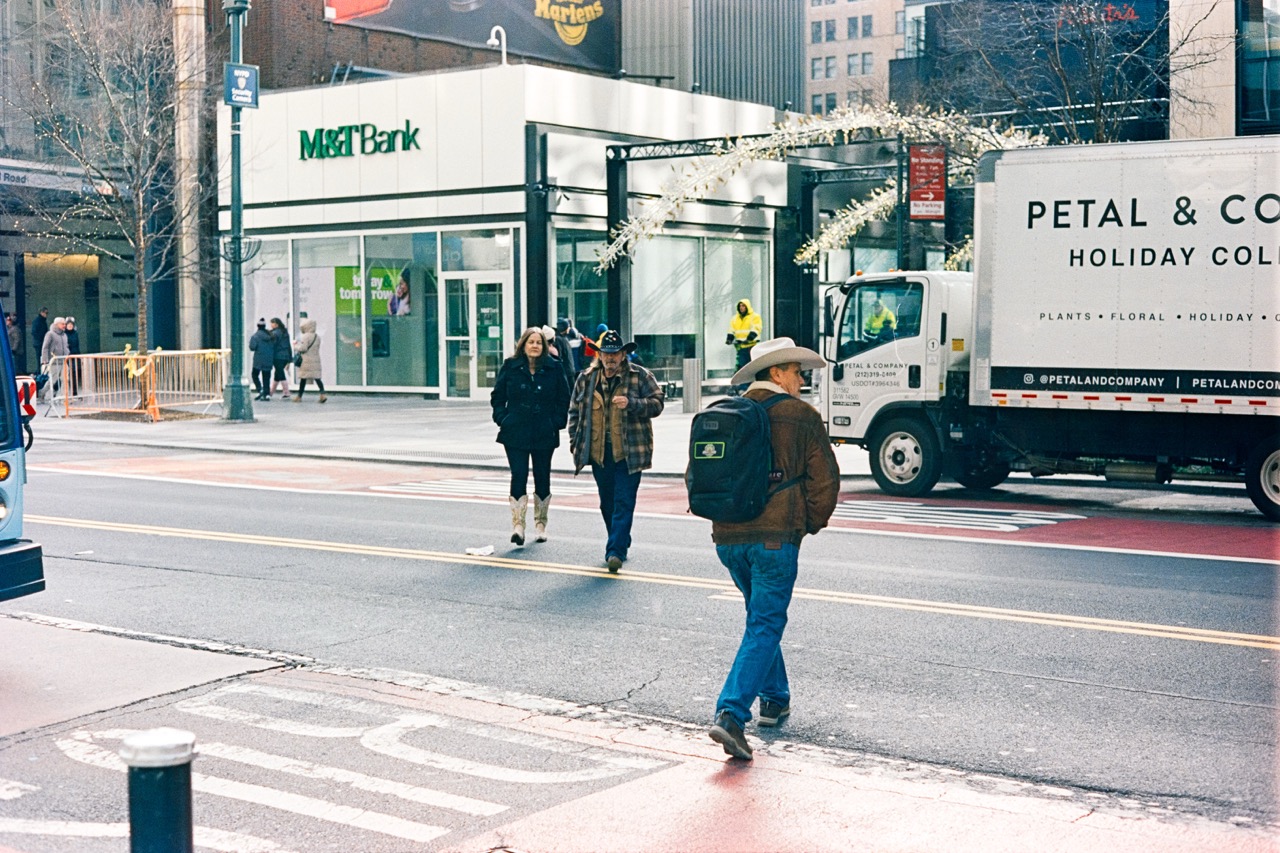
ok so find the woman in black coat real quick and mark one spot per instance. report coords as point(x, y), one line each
point(282, 358)
point(530, 406)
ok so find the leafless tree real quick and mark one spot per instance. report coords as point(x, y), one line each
point(102, 101)
point(1075, 70)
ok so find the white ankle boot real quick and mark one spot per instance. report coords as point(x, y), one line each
point(518, 507)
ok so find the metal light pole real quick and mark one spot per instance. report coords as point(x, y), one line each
point(235, 394)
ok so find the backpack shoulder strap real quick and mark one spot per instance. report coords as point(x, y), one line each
point(794, 481)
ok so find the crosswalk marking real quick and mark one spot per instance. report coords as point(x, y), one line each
point(493, 486)
point(299, 767)
point(954, 517)
point(80, 746)
point(205, 837)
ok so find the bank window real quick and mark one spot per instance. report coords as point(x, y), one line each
point(401, 310)
point(329, 287)
point(484, 250)
point(879, 314)
point(581, 291)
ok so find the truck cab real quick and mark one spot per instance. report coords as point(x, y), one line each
point(894, 340)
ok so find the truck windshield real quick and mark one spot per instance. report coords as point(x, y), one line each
point(877, 313)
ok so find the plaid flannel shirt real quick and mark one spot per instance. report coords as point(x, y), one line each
point(645, 401)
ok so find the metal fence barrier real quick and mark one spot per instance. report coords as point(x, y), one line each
point(126, 382)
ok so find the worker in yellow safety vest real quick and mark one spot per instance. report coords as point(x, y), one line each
point(745, 330)
point(880, 322)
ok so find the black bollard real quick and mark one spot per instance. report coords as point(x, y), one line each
point(160, 790)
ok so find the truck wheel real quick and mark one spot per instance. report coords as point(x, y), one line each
point(905, 459)
point(981, 476)
point(1262, 477)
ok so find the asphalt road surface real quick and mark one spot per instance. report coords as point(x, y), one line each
point(1056, 641)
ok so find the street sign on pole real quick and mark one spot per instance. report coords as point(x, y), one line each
point(927, 182)
point(240, 85)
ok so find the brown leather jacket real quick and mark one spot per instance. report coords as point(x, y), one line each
point(800, 447)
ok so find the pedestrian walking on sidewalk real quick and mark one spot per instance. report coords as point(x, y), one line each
point(73, 349)
point(39, 328)
point(282, 357)
point(762, 555)
point(611, 416)
point(530, 401)
point(263, 347)
point(307, 350)
point(54, 346)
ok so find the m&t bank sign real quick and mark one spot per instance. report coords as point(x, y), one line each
point(352, 139)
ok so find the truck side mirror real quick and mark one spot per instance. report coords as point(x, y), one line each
point(837, 372)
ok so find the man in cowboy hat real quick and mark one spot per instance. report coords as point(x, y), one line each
point(611, 414)
point(762, 554)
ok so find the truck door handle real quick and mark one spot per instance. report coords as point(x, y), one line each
point(913, 376)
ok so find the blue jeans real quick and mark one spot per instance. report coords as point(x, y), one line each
point(765, 577)
point(617, 488)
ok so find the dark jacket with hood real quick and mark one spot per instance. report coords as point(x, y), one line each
point(264, 348)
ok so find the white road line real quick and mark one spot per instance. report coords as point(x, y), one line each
point(11, 790)
point(298, 767)
point(80, 747)
point(960, 517)
point(206, 837)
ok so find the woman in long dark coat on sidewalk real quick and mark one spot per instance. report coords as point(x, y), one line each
point(530, 402)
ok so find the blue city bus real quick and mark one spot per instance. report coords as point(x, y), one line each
point(21, 560)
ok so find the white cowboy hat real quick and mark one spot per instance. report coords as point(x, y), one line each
point(774, 352)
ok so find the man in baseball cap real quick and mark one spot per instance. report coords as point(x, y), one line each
point(611, 414)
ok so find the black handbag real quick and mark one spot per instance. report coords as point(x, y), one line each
point(297, 360)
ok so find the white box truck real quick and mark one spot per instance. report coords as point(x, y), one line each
point(1122, 320)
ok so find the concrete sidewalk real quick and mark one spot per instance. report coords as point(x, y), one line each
point(382, 428)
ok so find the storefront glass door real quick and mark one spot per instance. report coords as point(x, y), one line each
point(474, 340)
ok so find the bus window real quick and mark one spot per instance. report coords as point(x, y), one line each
point(21, 560)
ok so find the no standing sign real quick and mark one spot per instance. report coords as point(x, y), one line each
point(927, 181)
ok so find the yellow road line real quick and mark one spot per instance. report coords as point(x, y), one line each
point(723, 589)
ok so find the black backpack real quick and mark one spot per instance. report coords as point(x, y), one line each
point(731, 460)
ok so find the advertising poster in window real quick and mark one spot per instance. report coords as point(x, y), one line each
point(579, 33)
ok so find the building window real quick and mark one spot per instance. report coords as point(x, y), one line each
point(402, 344)
point(899, 22)
point(581, 292)
point(1258, 73)
point(831, 66)
point(815, 105)
point(815, 2)
point(853, 28)
point(829, 27)
point(866, 26)
point(853, 65)
point(831, 101)
point(815, 68)
point(815, 32)
point(866, 63)
point(900, 53)
point(868, 97)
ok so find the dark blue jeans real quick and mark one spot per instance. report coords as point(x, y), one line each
point(765, 577)
point(617, 488)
